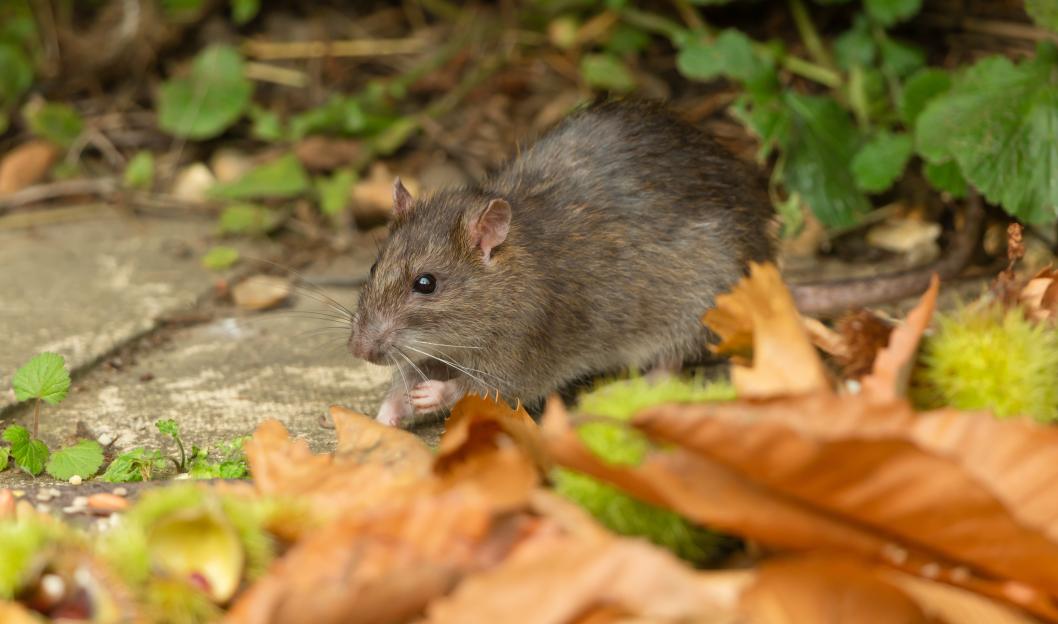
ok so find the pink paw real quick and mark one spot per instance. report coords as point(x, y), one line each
point(430, 396)
point(394, 410)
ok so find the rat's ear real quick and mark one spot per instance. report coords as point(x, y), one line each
point(490, 227)
point(402, 199)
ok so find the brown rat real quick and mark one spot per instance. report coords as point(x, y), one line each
point(599, 247)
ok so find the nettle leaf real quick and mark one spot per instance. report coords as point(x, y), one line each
point(946, 177)
point(16, 74)
point(16, 435)
point(889, 12)
point(1043, 12)
point(210, 99)
point(134, 465)
point(220, 257)
point(730, 55)
point(139, 173)
point(44, 377)
point(856, 45)
point(282, 177)
point(30, 456)
point(900, 58)
point(247, 219)
point(4, 453)
point(817, 149)
point(54, 121)
point(919, 89)
point(334, 191)
point(998, 123)
point(82, 459)
point(881, 161)
point(606, 71)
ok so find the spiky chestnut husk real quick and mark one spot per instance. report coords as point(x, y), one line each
point(24, 542)
point(990, 357)
point(620, 445)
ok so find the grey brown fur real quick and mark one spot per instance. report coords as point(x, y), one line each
point(625, 223)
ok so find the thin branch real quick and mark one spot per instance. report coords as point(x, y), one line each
point(289, 50)
point(55, 190)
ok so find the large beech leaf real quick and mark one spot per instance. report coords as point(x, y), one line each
point(998, 121)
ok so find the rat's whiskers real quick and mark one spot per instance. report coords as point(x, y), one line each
point(408, 360)
point(438, 344)
point(459, 368)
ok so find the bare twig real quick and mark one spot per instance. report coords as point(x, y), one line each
point(278, 75)
point(55, 190)
point(287, 50)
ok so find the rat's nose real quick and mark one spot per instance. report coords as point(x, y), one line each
point(365, 347)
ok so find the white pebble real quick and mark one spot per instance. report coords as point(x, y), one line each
point(106, 439)
point(120, 491)
point(75, 480)
point(80, 501)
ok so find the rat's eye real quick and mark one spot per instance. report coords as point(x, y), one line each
point(424, 284)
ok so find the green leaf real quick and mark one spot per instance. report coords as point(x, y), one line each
point(881, 161)
point(16, 435)
point(266, 125)
point(946, 177)
point(247, 219)
point(889, 12)
point(56, 122)
point(139, 173)
point(606, 72)
point(730, 55)
point(334, 191)
point(16, 75)
point(394, 136)
point(134, 465)
point(43, 377)
point(900, 58)
point(168, 427)
point(210, 99)
point(998, 122)
point(31, 456)
point(856, 45)
point(220, 257)
point(627, 39)
point(280, 178)
point(82, 459)
point(340, 115)
point(919, 89)
point(1043, 12)
point(4, 452)
point(817, 149)
point(243, 11)
point(767, 120)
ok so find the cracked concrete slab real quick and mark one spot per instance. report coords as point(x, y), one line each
point(82, 289)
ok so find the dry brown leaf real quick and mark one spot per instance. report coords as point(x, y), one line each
point(826, 590)
point(320, 153)
point(373, 196)
point(371, 465)
point(383, 566)
point(1039, 297)
point(26, 165)
point(973, 491)
point(560, 579)
point(14, 613)
point(865, 334)
point(892, 366)
point(761, 312)
point(478, 421)
point(954, 604)
point(260, 292)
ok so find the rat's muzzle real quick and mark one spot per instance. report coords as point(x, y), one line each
point(369, 343)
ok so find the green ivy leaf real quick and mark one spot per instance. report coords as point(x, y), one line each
point(82, 459)
point(16, 75)
point(889, 12)
point(220, 257)
point(998, 123)
point(900, 58)
point(243, 11)
point(730, 55)
point(817, 149)
point(881, 161)
point(247, 219)
point(56, 122)
point(334, 191)
point(139, 173)
point(282, 177)
point(946, 177)
point(1043, 12)
point(134, 465)
point(210, 99)
point(919, 89)
point(44, 377)
point(607, 72)
point(856, 45)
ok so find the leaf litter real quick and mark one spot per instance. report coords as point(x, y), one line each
point(861, 508)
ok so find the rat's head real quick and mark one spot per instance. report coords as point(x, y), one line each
point(435, 277)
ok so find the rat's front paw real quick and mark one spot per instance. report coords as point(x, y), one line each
point(430, 396)
point(395, 410)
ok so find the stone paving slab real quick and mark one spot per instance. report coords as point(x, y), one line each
point(84, 288)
